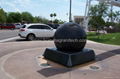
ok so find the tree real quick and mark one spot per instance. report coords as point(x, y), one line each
point(97, 14)
point(99, 10)
point(14, 17)
point(51, 15)
point(56, 21)
point(45, 21)
point(38, 19)
point(97, 22)
point(117, 16)
point(54, 15)
point(2, 16)
point(27, 17)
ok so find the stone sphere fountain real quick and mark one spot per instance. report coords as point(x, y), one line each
point(70, 40)
point(70, 37)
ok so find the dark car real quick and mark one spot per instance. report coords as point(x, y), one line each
point(7, 26)
point(55, 26)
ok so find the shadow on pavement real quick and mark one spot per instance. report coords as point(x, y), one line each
point(107, 54)
point(20, 40)
point(47, 72)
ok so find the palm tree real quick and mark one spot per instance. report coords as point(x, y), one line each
point(117, 16)
point(54, 15)
point(51, 15)
point(112, 16)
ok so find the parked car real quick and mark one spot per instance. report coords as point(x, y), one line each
point(18, 25)
point(55, 26)
point(7, 26)
point(32, 31)
point(1, 26)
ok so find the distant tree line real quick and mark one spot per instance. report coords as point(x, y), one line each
point(17, 17)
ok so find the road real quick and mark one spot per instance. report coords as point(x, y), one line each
point(11, 36)
point(5, 34)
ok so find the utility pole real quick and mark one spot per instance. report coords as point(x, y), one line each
point(0, 5)
point(70, 13)
point(86, 16)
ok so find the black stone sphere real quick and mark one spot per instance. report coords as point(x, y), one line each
point(70, 37)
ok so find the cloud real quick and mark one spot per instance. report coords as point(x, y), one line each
point(15, 5)
point(22, 3)
point(45, 7)
point(10, 5)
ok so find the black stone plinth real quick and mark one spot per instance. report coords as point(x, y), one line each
point(69, 59)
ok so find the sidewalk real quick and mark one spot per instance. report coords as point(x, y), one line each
point(26, 64)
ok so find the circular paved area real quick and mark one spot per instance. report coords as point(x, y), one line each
point(26, 63)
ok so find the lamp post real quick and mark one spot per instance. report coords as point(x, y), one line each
point(70, 14)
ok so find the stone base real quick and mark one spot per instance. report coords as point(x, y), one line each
point(69, 59)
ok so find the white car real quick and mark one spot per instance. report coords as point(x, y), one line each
point(18, 25)
point(32, 31)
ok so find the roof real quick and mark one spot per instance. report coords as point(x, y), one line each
point(35, 24)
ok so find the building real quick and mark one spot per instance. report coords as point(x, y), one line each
point(79, 20)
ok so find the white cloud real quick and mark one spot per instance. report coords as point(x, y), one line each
point(22, 3)
point(44, 7)
point(11, 5)
point(15, 4)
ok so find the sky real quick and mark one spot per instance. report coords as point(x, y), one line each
point(45, 7)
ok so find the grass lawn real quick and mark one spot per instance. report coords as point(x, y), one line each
point(112, 38)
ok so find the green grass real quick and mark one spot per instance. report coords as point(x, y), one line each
point(112, 38)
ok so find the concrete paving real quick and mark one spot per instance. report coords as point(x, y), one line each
point(5, 34)
point(24, 61)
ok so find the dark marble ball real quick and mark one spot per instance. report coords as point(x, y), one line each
point(70, 37)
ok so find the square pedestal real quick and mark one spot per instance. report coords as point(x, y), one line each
point(69, 59)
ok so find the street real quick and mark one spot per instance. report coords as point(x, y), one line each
point(12, 36)
point(5, 34)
